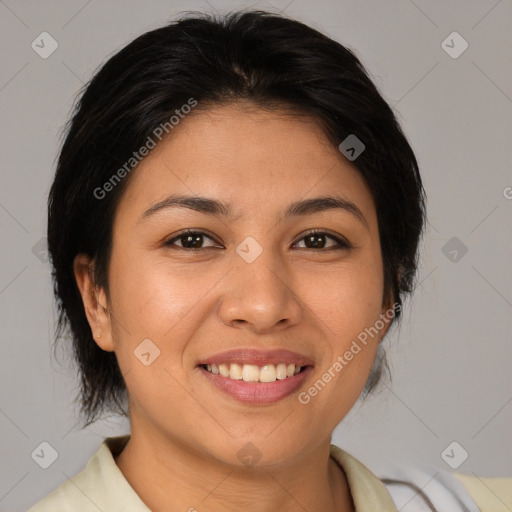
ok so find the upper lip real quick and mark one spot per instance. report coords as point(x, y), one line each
point(257, 357)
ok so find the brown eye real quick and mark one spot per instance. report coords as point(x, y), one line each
point(316, 240)
point(320, 239)
point(189, 240)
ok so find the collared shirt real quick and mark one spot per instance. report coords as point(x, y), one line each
point(102, 486)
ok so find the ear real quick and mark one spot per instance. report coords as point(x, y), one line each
point(388, 312)
point(387, 315)
point(95, 302)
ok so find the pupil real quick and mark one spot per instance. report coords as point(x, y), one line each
point(316, 245)
point(192, 241)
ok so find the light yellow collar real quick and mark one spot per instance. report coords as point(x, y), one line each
point(368, 492)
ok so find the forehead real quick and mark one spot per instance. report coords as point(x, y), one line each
point(252, 158)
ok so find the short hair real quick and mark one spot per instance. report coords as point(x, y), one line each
point(270, 60)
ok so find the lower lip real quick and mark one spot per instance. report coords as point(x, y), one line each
point(257, 392)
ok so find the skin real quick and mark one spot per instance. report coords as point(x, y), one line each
point(185, 433)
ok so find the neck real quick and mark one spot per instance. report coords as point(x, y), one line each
point(167, 475)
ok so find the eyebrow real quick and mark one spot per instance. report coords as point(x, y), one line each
point(214, 207)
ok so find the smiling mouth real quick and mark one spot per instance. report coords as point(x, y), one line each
point(254, 373)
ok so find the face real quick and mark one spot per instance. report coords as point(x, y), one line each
point(244, 323)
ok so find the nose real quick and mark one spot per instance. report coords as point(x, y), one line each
point(260, 297)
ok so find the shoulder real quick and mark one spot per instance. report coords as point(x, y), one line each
point(412, 487)
point(490, 494)
point(425, 488)
point(100, 486)
point(67, 495)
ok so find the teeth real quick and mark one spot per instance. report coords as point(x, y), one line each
point(250, 373)
point(281, 371)
point(254, 373)
point(268, 373)
point(224, 370)
point(235, 372)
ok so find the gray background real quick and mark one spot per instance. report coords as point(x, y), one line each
point(451, 361)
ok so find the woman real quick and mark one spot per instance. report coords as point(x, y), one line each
point(233, 224)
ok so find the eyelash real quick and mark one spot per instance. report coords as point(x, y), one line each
point(342, 244)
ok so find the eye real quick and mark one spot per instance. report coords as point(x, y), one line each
point(189, 240)
point(317, 239)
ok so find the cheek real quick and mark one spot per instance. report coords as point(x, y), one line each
point(167, 304)
point(349, 303)
point(151, 328)
point(348, 299)
point(151, 297)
